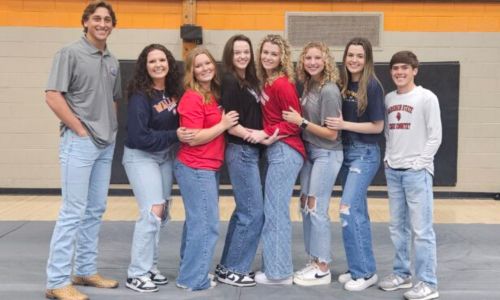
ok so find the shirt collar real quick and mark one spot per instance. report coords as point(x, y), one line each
point(91, 48)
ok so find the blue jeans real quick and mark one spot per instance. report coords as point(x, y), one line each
point(283, 166)
point(411, 206)
point(317, 178)
point(200, 193)
point(150, 175)
point(361, 162)
point(245, 226)
point(85, 175)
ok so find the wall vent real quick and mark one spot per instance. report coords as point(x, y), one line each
point(335, 29)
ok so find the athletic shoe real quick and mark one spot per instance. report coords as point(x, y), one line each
point(394, 282)
point(422, 291)
point(142, 284)
point(157, 277)
point(312, 275)
point(261, 278)
point(219, 269)
point(360, 284)
point(236, 279)
point(213, 284)
point(344, 278)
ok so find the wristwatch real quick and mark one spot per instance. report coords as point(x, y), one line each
point(304, 124)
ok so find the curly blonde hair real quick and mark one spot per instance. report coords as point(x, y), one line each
point(330, 72)
point(285, 68)
point(190, 81)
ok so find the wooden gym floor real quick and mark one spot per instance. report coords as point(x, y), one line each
point(446, 211)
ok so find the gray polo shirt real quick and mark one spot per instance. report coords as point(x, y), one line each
point(317, 104)
point(90, 82)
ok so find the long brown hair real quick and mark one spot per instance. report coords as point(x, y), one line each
point(190, 81)
point(367, 74)
point(251, 80)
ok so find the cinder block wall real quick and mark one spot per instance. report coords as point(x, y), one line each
point(31, 31)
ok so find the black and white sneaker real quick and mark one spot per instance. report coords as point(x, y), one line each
point(232, 278)
point(142, 284)
point(157, 277)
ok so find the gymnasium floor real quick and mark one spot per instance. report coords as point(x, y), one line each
point(468, 234)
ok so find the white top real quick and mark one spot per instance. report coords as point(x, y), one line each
point(412, 129)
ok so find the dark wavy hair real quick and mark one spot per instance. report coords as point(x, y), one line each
point(251, 80)
point(141, 81)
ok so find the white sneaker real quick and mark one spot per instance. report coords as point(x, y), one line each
point(213, 284)
point(422, 291)
point(360, 283)
point(312, 275)
point(157, 277)
point(261, 278)
point(142, 284)
point(344, 278)
point(394, 282)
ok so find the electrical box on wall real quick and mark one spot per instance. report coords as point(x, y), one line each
point(192, 33)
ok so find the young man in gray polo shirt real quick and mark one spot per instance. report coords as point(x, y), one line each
point(82, 90)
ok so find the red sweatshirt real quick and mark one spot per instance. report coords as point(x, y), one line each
point(279, 96)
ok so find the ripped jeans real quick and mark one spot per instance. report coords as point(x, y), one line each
point(361, 162)
point(317, 178)
point(150, 175)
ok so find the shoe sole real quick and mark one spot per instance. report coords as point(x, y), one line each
point(49, 295)
point(429, 297)
point(134, 288)
point(230, 282)
point(312, 282)
point(401, 286)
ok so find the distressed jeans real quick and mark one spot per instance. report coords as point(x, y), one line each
point(246, 222)
point(283, 166)
point(411, 207)
point(361, 162)
point(150, 175)
point(85, 175)
point(317, 178)
point(200, 194)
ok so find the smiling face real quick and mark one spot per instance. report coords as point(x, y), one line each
point(241, 56)
point(314, 63)
point(204, 70)
point(403, 76)
point(270, 57)
point(355, 61)
point(98, 26)
point(157, 66)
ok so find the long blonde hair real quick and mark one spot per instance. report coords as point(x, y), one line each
point(367, 75)
point(285, 68)
point(190, 81)
point(330, 71)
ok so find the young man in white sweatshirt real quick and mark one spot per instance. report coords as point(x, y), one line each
point(413, 136)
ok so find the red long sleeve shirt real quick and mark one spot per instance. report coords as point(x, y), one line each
point(276, 97)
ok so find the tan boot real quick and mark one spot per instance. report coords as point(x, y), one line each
point(95, 280)
point(68, 292)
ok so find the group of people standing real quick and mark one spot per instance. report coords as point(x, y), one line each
point(188, 127)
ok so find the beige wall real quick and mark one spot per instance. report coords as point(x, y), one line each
point(29, 130)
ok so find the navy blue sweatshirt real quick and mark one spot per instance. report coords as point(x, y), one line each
point(151, 123)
